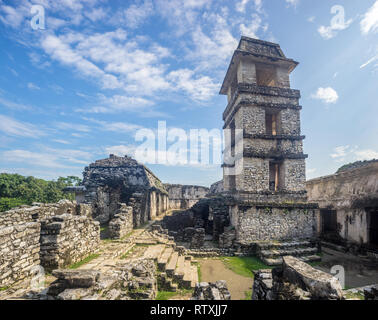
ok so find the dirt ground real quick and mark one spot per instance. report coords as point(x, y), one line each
point(214, 269)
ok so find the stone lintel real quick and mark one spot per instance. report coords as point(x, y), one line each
point(272, 137)
point(275, 156)
point(261, 90)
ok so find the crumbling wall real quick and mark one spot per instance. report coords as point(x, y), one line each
point(184, 196)
point(217, 187)
point(122, 222)
point(36, 212)
point(67, 239)
point(19, 252)
point(211, 291)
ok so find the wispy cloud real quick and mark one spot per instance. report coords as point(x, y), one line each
point(16, 128)
point(369, 23)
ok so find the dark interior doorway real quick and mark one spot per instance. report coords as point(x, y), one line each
point(329, 221)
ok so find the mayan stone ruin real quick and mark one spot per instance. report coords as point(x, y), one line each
point(130, 236)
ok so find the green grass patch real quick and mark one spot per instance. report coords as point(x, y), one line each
point(352, 295)
point(165, 295)
point(248, 295)
point(244, 265)
point(126, 254)
point(84, 261)
point(4, 288)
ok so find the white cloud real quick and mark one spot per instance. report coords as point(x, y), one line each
point(240, 6)
point(327, 95)
point(311, 19)
point(13, 127)
point(340, 152)
point(120, 127)
point(33, 86)
point(251, 30)
point(369, 62)
point(369, 23)
point(48, 158)
point(367, 154)
point(72, 127)
point(293, 3)
point(135, 15)
point(353, 154)
point(199, 88)
point(14, 105)
point(121, 150)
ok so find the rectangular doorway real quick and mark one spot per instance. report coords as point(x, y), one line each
point(329, 221)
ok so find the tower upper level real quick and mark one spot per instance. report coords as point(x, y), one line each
point(260, 63)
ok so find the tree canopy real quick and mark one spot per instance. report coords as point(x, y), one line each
point(16, 190)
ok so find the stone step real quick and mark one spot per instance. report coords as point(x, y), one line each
point(154, 252)
point(332, 246)
point(266, 245)
point(179, 272)
point(272, 253)
point(278, 261)
point(171, 266)
point(187, 278)
point(163, 259)
point(194, 276)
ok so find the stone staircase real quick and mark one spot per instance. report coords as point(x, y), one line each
point(271, 252)
point(176, 270)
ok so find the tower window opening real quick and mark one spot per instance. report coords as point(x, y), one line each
point(275, 176)
point(272, 123)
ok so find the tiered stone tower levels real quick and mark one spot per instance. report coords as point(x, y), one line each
point(261, 102)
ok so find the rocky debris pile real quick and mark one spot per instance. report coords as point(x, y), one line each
point(227, 238)
point(371, 293)
point(122, 222)
point(295, 280)
point(211, 291)
point(66, 239)
point(198, 238)
point(132, 281)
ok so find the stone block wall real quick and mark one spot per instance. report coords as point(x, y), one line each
point(67, 239)
point(184, 196)
point(36, 212)
point(267, 223)
point(122, 222)
point(19, 251)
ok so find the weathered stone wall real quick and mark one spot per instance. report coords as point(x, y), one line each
point(352, 193)
point(67, 239)
point(259, 223)
point(36, 212)
point(19, 252)
point(122, 222)
point(184, 196)
point(217, 187)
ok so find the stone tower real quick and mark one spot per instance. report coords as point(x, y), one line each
point(269, 150)
point(264, 167)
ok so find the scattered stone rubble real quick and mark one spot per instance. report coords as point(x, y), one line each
point(295, 280)
point(135, 280)
point(211, 291)
point(122, 222)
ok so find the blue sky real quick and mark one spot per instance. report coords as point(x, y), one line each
point(100, 70)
